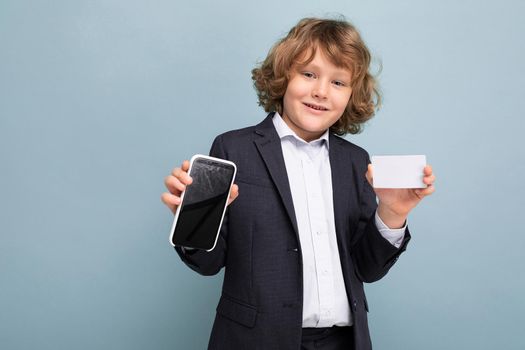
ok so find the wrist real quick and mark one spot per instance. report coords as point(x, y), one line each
point(390, 218)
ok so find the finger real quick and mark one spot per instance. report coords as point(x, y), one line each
point(185, 165)
point(170, 200)
point(233, 193)
point(369, 174)
point(428, 180)
point(174, 185)
point(425, 192)
point(182, 175)
point(427, 170)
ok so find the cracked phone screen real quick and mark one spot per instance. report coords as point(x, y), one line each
point(203, 205)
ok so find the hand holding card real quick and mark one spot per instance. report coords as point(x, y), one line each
point(400, 183)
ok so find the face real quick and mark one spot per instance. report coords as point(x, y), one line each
point(316, 97)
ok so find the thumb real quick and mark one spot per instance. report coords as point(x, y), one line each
point(233, 193)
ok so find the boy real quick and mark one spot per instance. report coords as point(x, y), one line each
point(303, 230)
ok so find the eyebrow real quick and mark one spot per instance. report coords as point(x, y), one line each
point(339, 71)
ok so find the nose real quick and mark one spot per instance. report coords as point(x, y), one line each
point(320, 90)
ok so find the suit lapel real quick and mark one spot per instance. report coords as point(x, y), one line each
point(342, 180)
point(269, 146)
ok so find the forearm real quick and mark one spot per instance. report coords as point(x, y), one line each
point(393, 235)
point(204, 262)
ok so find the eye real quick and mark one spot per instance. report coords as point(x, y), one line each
point(339, 83)
point(308, 74)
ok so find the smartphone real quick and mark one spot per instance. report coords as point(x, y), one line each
point(198, 218)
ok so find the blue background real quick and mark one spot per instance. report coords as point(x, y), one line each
point(99, 100)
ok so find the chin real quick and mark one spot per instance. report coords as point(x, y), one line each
point(315, 128)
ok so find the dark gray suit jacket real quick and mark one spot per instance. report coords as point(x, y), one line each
point(261, 303)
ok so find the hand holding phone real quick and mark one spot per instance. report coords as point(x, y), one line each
point(199, 195)
point(176, 183)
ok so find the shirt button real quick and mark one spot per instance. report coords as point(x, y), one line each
point(325, 272)
point(319, 233)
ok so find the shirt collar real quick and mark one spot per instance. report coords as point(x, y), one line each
point(283, 130)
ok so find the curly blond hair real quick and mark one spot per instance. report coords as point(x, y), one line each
point(342, 44)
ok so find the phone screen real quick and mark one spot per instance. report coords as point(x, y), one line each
point(203, 205)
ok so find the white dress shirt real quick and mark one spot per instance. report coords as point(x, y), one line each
point(325, 302)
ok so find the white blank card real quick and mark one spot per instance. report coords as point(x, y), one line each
point(398, 171)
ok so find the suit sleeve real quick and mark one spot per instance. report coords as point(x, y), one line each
point(201, 261)
point(372, 254)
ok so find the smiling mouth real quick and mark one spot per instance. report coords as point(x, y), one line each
point(316, 107)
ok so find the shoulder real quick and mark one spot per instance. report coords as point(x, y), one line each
point(236, 142)
point(248, 134)
point(235, 138)
point(238, 133)
point(350, 148)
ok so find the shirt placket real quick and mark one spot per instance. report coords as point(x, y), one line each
point(319, 237)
